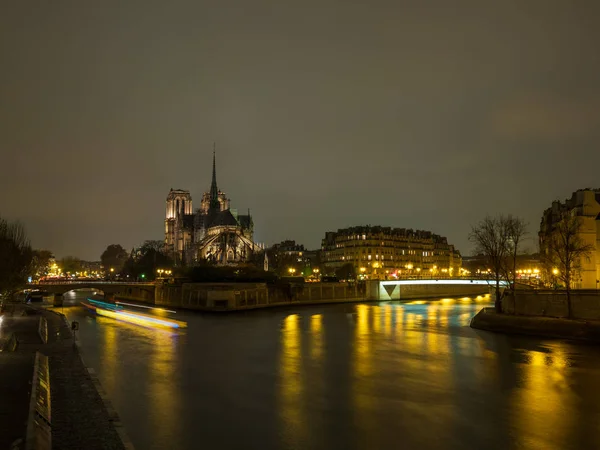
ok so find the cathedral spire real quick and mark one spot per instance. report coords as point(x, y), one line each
point(214, 190)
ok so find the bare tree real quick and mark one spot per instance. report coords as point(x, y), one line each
point(565, 250)
point(15, 257)
point(498, 240)
point(517, 232)
point(40, 264)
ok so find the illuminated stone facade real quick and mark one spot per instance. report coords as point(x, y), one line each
point(585, 205)
point(214, 232)
point(383, 252)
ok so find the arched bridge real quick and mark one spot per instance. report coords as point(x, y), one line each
point(110, 289)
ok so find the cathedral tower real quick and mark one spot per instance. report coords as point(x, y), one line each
point(179, 210)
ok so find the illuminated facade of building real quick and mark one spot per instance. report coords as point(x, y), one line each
point(384, 252)
point(291, 259)
point(214, 232)
point(585, 205)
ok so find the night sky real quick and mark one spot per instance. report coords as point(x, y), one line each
point(326, 114)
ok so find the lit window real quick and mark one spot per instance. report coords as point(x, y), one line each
point(369, 257)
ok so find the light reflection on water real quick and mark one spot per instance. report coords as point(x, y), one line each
point(346, 376)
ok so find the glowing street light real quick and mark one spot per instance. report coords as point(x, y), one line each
point(291, 270)
point(555, 271)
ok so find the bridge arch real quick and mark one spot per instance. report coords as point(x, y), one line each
point(143, 292)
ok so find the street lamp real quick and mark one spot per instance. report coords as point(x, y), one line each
point(291, 270)
point(555, 273)
point(362, 272)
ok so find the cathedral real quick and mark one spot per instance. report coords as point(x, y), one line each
point(214, 232)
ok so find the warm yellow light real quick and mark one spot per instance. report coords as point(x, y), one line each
point(409, 266)
point(141, 319)
point(418, 269)
point(112, 269)
point(555, 271)
point(363, 269)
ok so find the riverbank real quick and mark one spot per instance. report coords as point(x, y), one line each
point(584, 330)
point(80, 415)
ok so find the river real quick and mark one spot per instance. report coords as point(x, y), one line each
point(347, 376)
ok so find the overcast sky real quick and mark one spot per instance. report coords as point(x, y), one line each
point(327, 114)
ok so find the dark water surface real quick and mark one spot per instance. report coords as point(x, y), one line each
point(357, 376)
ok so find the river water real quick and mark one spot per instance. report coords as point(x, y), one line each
point(357, 376)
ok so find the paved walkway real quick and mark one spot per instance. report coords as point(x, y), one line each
point(81, 417)
point(16, 373)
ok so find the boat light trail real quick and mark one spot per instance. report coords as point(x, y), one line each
point(136, 318)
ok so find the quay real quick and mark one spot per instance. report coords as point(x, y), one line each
point(48, 397)
point(229, 297)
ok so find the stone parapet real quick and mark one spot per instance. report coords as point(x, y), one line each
point(487, 319)
point(585, 304)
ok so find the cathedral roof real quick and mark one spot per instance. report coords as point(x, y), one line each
point(222, 218)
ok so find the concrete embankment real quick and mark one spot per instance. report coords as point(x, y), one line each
point(487, 319)
point(243, 296)
point(78, 414)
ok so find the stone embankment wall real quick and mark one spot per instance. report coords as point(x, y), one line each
point(585, 304)
point(135, 293)
point(233, 297)
point(229, 296)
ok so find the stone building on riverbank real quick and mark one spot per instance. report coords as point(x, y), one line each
point(383, 252)
point(584, 204)
point(214, 232)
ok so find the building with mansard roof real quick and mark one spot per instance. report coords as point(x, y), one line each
point(583, 210)
point(378, 252)
point(214, 232)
